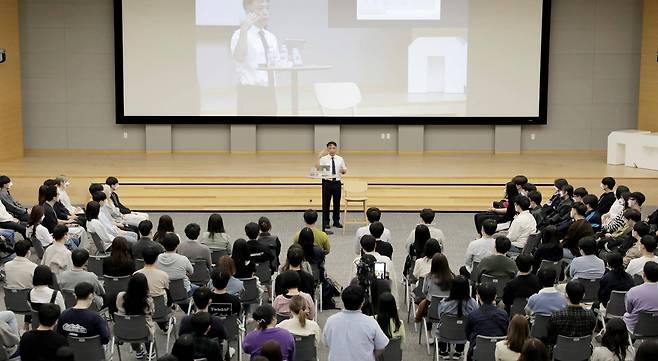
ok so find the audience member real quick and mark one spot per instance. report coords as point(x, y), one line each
point(42, 292)
point(631, 245)
point(191, 248)
point(136, 301)
point(524, 285)
point(158, 280)
point(592, 215)
point(202, 299)
point(265, 331)
point(173, 264)
point(220, 294)
point(58, 256)
point(607, 198)
point(642, 298)
point(313, 254)
point(12, 206)
point(574, 320)
point(550, 248)
point(368, 248)
point(8, 221)
point(536, 208)
point(548, 300)
point(260, 252)
point(244, 266)
point(647, 351)
point(183, 348)
point(523, 224)
point(373, 214)
point(621, 196)
point(10, 335)
point(614, 279)
point(80, 321)
point(577, 230)
point(226, 265)
point(518, 332)
point(647, 248)
point(388, 318)
point(423, 265)
point(165, 225)
point(615, 344)
point(62, 183)
point(351, 335)
point(534, 350)
point(120, 263)
point(501, 215)
point(215, 236)
point(562, 211)
point(36, 230)
point(145, 227)
point(299, 323)
point(271, 241)
point(291, 281)
point(294, 259)
point(459, 303)
point(427, 216)
point(421, 236)
point(131, 217)
point(271, 350)
point(68, 280)
point(94, 225)
point(588, 266)
point(112, 226)
point(487, 320)
point(382, 247)
point(20, 270)
point(437, 283)
point(579, 193)
point(498, 264)
point(320, 237)
point(41, 344)
point(482, 247)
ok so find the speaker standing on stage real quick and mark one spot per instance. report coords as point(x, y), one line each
point(331, 185)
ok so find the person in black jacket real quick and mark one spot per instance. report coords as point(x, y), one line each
point(615, 279)
point(501, 215)
point(563, 211)
point(259, 251)
point(113, 182)
point(524, 285)
point(271, 241)
point(608, 197)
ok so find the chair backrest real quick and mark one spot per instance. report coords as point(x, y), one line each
point(433, 309)
point(591, 289)
point(216, 254)
point(531, 243)
point(38, 247)
point(474, 271)
point(95, 265)
point(498, 282)
point(393, 351)
point(638, 279)
point(201, 274)
point(130, 328)
point(315, 270)
point(250, 294)
point(139, 263)
point(114, 285)
point(69, 298)
point(161, 312)
point(355, 188)
point(540, 326)
point(485, 348)
point(87, 348)
point(305, 348)
point(572, 348)
point(556, 266)
point(16, 300)
point(616, 306)
point(232, 326)
point(647, 325)
point(518, 306)
point(452, 329)
point(177, 291)
point(280, 317)
point(337, 96)
point(98, 242)
point(418, 290)
point(264, 273)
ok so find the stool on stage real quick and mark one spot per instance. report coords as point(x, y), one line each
point(619, 142)
point(356, 191)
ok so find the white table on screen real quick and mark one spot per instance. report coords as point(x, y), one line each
point(294, 79)
point(618, 141)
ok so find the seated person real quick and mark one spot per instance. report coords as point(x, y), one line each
point(382, 247)
point(42, 293)
point(173, 264)
point(498, 264)
point(131, 217)
point(136, 301)
point(422, 266)
point(266, 331)
point(94, 225)
point(7, 221)
point(517, 333)
point(299, 323)
point(642, 298)
point(607, 198)
point(373, 214)
point(548, 300)
point(36, 229)
point(145, 229)
point(12, 206)
point(501, 215)
point(58, 256)
point(614, 279)
point(631, 244)
point(523, 225)
point(226, 265)
point(368, 248)
point(41, 344)
point(80, 321)
point(437, 283)
point(202, 299)
point(588, 266)
point(220, 295)
point(487, 320)
point(291, 281)
point(459, 303)
point(536, 208)
point(592, 216)
point(615, 343)
point(120, 263)
point(271, 240)
point(20, 271)
point(313, 254)
point(578, 229)
point(574, 320)
point(111, 220)
point(320, 237)
point(647, 249)
point(620, 241)
point(78, 274)
point(294, 260)
point(482, 247)
point(191, 248)
point(388, 319)
point(215, 236)
point(427, 216)
point(10, 335)
point(260, 251)
point(205, 347)
point(561, 213)
point(157, 279)
point(524, 285)
point(549, 249)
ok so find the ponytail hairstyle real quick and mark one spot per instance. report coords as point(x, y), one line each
point(298, 307)
point(264, 315)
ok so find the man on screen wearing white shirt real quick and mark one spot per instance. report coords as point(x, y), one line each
point(331, 185)
point(253, 46)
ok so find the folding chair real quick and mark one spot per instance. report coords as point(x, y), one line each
point(69, 298)
point(432, 318)
point(201, 274)
point(556, 266)
point(452, 329)
point(540, 327)
point(87, 348)
point(498, 282)
point(485, 348)
point(251, 294)
point(16, 300)
point(591, 289)
point(95, 265)
point(572, 348)
point(231, 321)
point(415, 294)
point(216, 254)
point(98, 242)
point(317, 277)
point(646, 327)
point(132, 329)
point(139, 263)
point(474, 272)
point(638, 279)
point(305, 348)
point(518, 306)
point(163, 313)
point(264, 273)
point(280, 317)
point(114, 285)
point(38, 247)
point(532, 243)
point(393, 351)
point(179, 296)
point(616, 305)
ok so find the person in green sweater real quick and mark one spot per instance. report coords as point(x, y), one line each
point(320, 238)
point(498, 264)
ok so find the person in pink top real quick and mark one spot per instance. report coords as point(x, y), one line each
point(291, 281)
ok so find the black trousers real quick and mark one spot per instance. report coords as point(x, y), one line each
point(14, 227)
point(331, 190)
point(256, 100)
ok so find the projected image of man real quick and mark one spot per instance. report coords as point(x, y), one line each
point(253, 46)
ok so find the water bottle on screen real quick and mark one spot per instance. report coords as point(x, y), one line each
point(284, 56)
point(296, 57)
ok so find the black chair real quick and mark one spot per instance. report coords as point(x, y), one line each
point(540, 327)
point(393, 351)
point(69, 298)
point(162, 313)
point(251, 294)
point(132, 329)
point(638, 279)
point(201, 274)
point(139, 263)
point(646, 327)
point(305, 349)
point(95, 265)
point(518, 306)
point(264, 273)
point(572, 348)
point(498, 282)
point(114, 285)
point(98, 242)
point(231, 321)
point(87, 348)
point(16, 300)
point(591, 289)
point(452, 329)
point(280, 317)
point(432, 318)
point(532, 243)
point(216, 254)
point(616, 306)
point(485, 348)
point(178, 294)
point(555, 266)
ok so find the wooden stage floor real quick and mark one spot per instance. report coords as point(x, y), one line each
point(196, 182)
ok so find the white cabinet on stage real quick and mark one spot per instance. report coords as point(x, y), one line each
point(619, 141)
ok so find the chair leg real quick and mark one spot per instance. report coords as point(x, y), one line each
point(170, 326)
point(320, 299)
point(427, 336)
point(189, 307)
point(436, 350)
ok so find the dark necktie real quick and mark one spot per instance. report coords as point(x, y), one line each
point(261, 33)
point(333, 166)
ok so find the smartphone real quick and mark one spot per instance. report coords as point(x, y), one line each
point(380, 270)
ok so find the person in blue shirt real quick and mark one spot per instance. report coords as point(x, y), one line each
point(488, 320)
point(592, 216)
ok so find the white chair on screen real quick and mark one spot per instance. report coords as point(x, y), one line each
point(337, 97)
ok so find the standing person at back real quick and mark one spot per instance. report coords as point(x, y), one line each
point(427, 216)
point(320, 238)
point(176, 266)
point(331, 184)
point(351, 335)
point(145, 229)
point(373, 215)
point(191, 248)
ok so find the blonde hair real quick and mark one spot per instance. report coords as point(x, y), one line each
point(61, 179)
point(298, 306)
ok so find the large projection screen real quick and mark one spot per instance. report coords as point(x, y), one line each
point(334, 61)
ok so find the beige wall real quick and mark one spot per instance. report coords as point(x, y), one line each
point(648, 112)
point(68, 98)
point(10, 82)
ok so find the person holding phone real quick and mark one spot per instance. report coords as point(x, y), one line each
point(252, 47)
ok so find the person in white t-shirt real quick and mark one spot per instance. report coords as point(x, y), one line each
point(427, 217)
point(373, 214)
point(647, 247)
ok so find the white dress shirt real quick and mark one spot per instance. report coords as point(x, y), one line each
point(478, 250)
point(66, 200)
point(523, 225)
point(95, 226)
point(42, 235)
point(248, 73)
point(338, 160)
point(636, 265)
point(4, 215)
point(362, 231)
